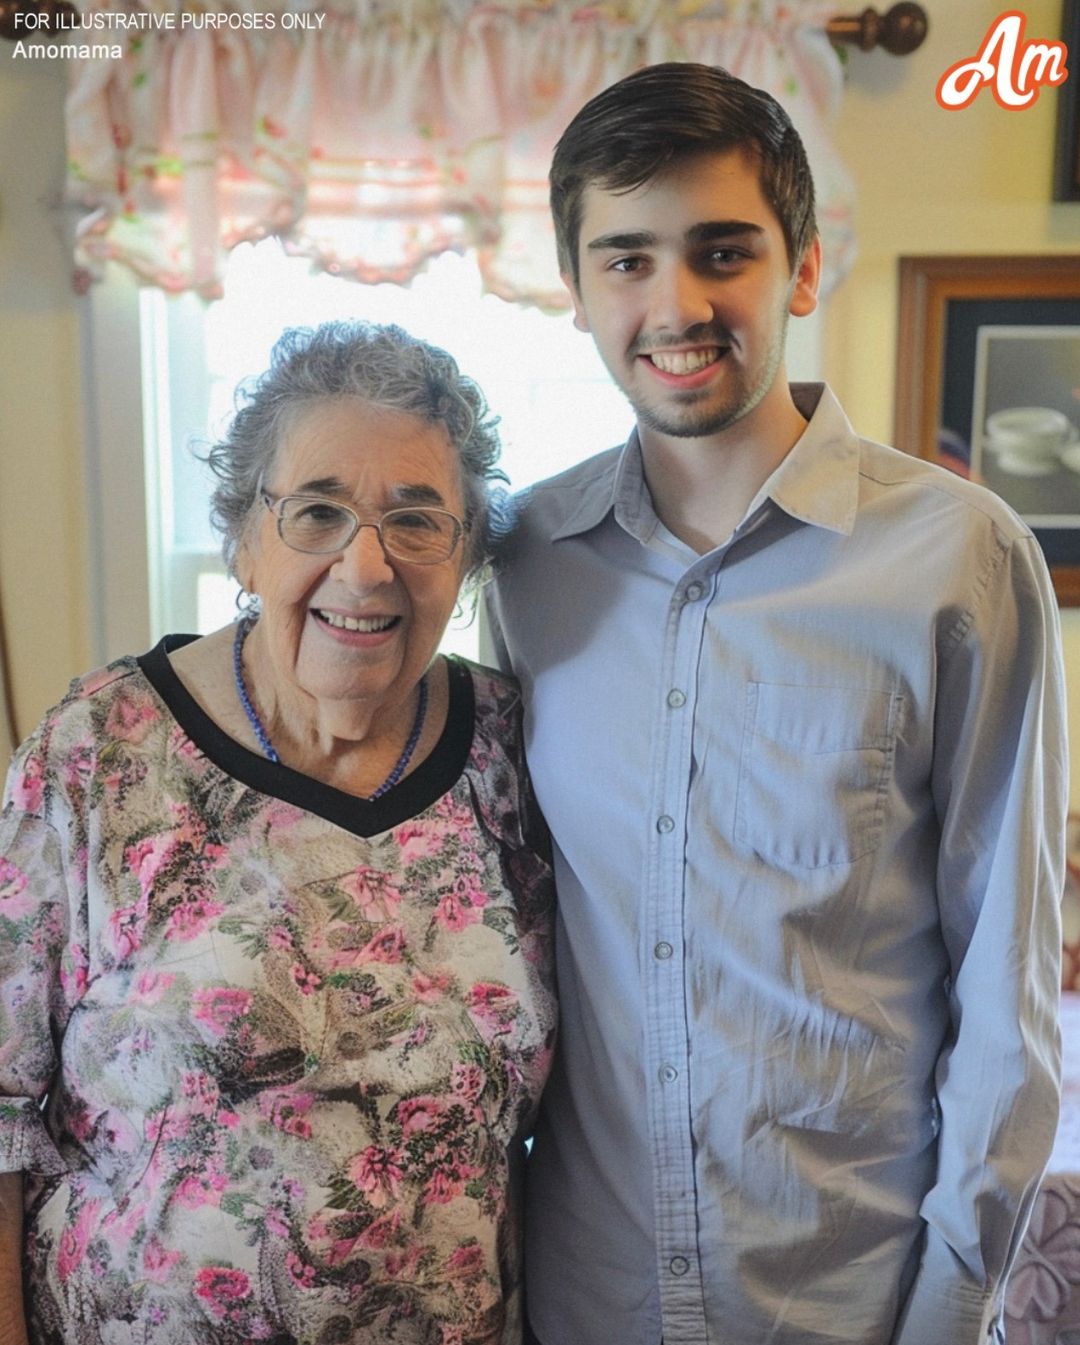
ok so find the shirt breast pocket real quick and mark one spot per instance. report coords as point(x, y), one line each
point(813, 772)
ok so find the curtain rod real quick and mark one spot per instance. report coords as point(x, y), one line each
point(899, 31)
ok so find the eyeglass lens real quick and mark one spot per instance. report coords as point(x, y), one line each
point(419, 535)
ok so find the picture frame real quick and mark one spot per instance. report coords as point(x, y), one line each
point(952, 310)
point(1067, 141)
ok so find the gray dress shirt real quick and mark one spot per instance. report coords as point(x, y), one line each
point(807, 793)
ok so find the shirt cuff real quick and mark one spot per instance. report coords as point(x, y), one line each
point(945, 1306)
point(25, 1144)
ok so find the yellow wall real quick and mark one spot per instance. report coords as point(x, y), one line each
point(928, 181)
point(931, 181)
point(42, 515)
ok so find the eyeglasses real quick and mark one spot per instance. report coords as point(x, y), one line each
point(310, 523)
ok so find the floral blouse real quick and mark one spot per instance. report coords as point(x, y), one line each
point(289, 1041)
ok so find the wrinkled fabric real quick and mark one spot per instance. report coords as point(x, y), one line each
point(1042, 1305)
point(391, 133)
point(1070, 910)
point(289, 1062)
point(807, 793)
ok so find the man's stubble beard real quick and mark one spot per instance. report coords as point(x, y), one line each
point(700, 423)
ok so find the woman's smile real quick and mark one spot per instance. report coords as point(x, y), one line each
point(363, 625)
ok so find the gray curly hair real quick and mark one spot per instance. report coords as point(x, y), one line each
point(384, 365)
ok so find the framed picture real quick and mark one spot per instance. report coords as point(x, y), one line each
point(988, 384)
point(1067, 147)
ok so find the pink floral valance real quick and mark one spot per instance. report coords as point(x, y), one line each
point(377, 133)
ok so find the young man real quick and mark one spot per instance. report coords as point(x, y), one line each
point(795, 719)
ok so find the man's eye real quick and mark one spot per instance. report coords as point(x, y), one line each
point(628, 265)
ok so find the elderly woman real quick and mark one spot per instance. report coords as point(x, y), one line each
point(275, 1004)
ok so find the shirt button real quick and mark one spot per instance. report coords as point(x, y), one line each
point(678, 1265)
point(665, 824)
point(663, 951)
point(694, 592)
point(668, 1073)
point(676, 699)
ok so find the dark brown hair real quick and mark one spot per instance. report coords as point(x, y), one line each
point(641, 127)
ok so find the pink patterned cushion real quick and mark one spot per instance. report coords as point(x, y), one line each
point(1042, 1303)
point(1049, 1262)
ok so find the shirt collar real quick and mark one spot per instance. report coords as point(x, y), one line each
point(621, 483)
point(817, 482)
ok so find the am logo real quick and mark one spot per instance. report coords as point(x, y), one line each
point(1015, 69)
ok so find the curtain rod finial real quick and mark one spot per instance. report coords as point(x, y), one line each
point(900, 31)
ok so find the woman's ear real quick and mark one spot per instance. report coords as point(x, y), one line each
point(243, 567)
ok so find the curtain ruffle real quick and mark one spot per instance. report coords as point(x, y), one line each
point(376, 135)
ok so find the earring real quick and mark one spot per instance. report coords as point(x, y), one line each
point(248, 605)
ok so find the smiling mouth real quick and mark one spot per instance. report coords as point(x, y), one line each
point(366, 625)
point(685, 361)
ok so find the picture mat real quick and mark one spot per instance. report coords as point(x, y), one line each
point(1025, 366)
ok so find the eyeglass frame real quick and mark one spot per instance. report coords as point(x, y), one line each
point(461, 527)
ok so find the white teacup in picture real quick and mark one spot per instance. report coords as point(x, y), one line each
point(1029, 440)
point(1022, 426)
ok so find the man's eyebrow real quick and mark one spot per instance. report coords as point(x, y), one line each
point(713, 231)
point(627, 242)
point(709, 231)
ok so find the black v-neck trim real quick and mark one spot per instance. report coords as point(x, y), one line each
point(435, 775)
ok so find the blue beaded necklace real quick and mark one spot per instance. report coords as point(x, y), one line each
point(243, 629)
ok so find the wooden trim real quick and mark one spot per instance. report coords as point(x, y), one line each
point(927, 286)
